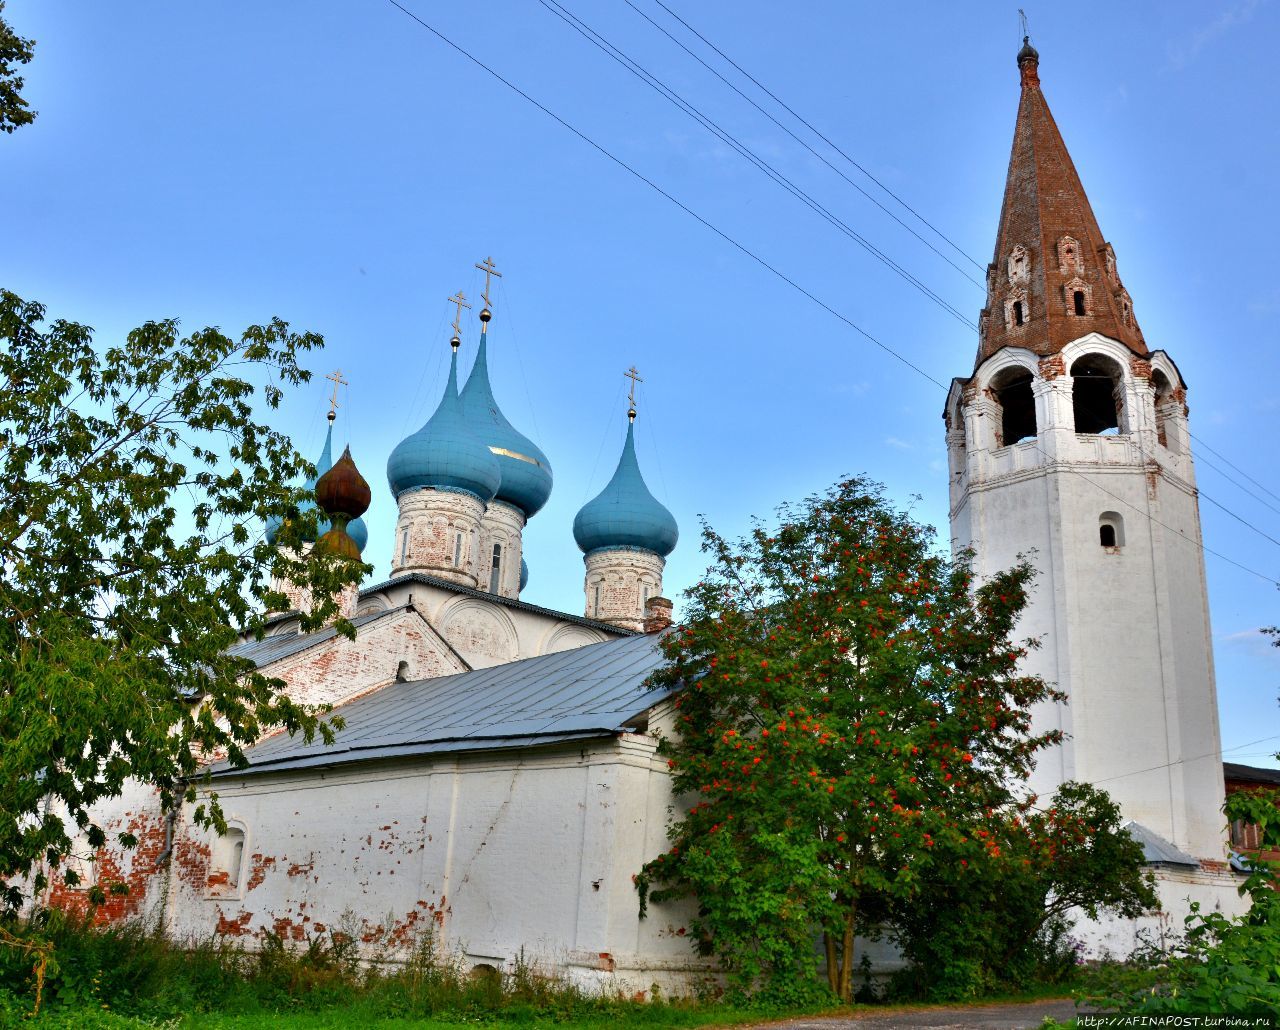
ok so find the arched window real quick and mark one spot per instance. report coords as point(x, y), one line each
point(1095, 394)
point(1012, 390)
point(1078, 299)
point(495, 570)
point(404, 546)
point(457, 550)
point(1111, 531)
point(226, 862)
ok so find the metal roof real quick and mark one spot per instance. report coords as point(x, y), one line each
point(591, 691)
point(1250, 773)
point(284, 645)
point(1155, 849)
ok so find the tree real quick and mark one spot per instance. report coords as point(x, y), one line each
point(133, 485)
point(852, 718)
point(14, 111)
point(966, 936)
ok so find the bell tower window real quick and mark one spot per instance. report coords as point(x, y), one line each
point(1078, 299)
point(1095, 392)
point(1017, 406)
point(1018, 318)
point(1111, 531)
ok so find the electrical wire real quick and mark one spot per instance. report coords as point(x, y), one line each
point(590, 34)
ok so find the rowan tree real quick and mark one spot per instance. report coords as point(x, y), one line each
point(851, 715)
point(134, 481)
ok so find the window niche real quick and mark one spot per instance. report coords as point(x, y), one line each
point(1096, 388)
point(226, 863)
point(1111, 531)
point(1013, 392)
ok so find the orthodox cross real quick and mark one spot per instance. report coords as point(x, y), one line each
point(634, 376)
point(335, 377)
point(489, 269)
point(1022, 16)
point(461, 301)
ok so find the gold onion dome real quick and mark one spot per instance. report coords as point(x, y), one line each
point(342, 494)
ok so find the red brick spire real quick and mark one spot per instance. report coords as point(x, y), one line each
point(1053, 278)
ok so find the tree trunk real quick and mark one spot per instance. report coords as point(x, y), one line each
point(846, 963)
point(833, 965)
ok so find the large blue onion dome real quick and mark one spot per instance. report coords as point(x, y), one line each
point(625, 514)
point(526, 473)
point(445, 454)
point(356, 529)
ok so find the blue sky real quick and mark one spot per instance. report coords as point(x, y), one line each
point(338, 166)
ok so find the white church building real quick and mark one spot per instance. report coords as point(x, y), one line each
point(497, 782)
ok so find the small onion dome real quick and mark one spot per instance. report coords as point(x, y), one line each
point(445, 454)
point(342, 490)
point(526, 473)
point(1028, 52)
point(342, 494)
point(356, 529)
point(524, 574)
point(625, 514)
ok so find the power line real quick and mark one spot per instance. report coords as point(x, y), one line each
point(599, 41)
point(778, 100)
point(812, 150)
point(742, 248)
point(1236, 467)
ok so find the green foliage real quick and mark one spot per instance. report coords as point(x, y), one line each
point(14, 50)
point(851, 724)
point(1220, 965)
point(130, 976)
point(134, 480)
point(1007, 929)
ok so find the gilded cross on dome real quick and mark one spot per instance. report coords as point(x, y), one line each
point(335, 377)
point(460, 299)
point(634, 376)
point(489, 269)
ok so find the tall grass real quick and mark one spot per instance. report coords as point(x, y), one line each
point(131, 970)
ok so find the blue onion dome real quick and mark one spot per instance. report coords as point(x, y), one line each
point(526, 473)
point(323, 464)
point(625, 514)
point(358, 532)
point(524, 574)
point(445, 454)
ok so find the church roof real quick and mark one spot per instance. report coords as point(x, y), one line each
point(285, 645)
point(1049, 246)
point(592, 691)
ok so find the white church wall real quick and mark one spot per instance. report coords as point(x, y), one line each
point(502, 851)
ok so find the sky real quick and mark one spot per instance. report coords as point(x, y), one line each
point(339, 166)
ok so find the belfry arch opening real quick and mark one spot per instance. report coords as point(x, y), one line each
point(1095, 394)
point(1166, 409)
point(1013, 392)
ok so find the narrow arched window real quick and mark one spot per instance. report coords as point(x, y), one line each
point(457, 550)
point(1111, 531)
point(1017, 312)
point(1079, 302)
point(596, 609)
point(404, 547)
point(495, 571)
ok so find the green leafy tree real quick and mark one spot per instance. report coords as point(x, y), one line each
point(966, 936)
point(14, 50)
point(134, 481)
point(852, 719)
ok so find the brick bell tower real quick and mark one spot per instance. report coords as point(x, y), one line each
point(1068, 443)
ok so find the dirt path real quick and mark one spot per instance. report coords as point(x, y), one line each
point(1013, 1016)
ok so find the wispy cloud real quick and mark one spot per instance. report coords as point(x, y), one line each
point(893, 441)
point(1183, 51)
